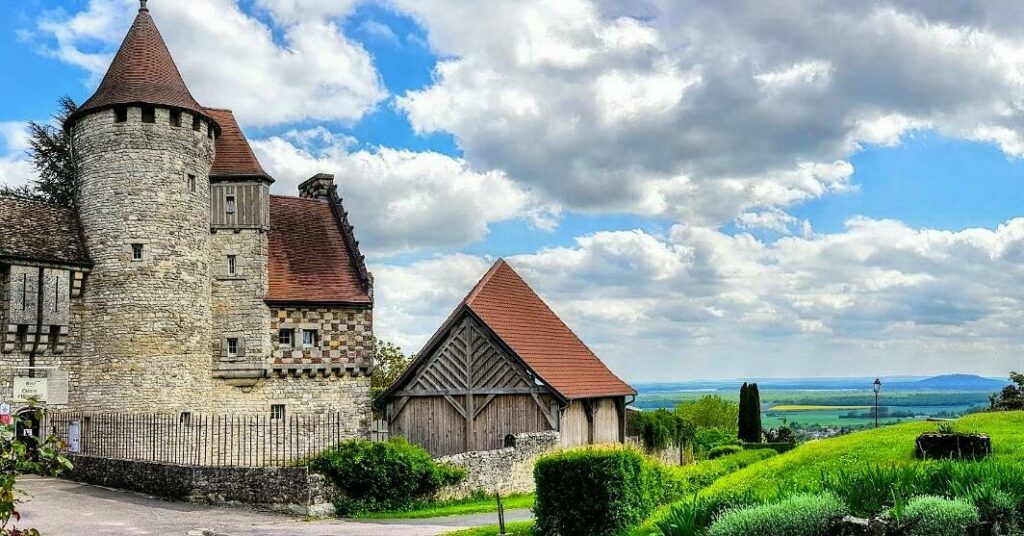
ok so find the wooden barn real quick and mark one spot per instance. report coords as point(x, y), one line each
point(504, 363)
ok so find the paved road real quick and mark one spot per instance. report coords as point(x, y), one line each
point(61, 508)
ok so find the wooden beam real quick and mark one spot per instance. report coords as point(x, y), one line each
point(470, 415)
point(484, 405)
point(458, 407)
point(464, 392)
point(620, 408)
point(393, 413)
point(588, 409)
point(546, 412)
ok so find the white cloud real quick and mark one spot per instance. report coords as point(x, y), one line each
point(707, 110)
point(878, 297)
point(15, 167)
point(402, 200)
point(231, 59)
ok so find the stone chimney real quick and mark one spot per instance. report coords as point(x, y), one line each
point(318, 186)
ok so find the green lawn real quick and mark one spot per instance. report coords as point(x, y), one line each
point(519, 528)
point(456, 508)
point(885, 446)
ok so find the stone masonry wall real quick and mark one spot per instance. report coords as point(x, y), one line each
point(147, 324)
point(290, 489)
point(345, 332)
point(239, 309)
point(506, 471)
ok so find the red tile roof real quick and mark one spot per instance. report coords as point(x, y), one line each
point(235, 158)
point(309, 259)
point(143, 72)
point(533, 331)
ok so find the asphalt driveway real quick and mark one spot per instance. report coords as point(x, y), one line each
point(62, 508)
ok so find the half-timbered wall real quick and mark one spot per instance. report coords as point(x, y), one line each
point(468, 395)
point(250, 210)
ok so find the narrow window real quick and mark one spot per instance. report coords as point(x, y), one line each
point(149, 114)
point(232, 347)
point(277, 411)
point(22, 335)
point(232, 265)
point(229, 203)
point(136, 252)
point(185, 419)
point(196, 123)
point(120, 114)
point(54, 337)
point(284, 337)
point(191, 182)
point(309, 338)
point(175, 118)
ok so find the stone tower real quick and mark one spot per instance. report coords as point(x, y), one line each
point(145, 149)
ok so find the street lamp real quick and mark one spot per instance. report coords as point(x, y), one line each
point(877, 387)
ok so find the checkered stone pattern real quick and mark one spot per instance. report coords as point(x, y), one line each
point(345, 337)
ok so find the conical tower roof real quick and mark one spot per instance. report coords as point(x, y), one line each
point(143, 72)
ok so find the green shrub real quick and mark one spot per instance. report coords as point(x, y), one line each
point(693, 516)
point(660, 429)
point(870, 491)
point(938, 516)
point(379, 477)
point(596, 491)
point(723, 450)
point(799, 515)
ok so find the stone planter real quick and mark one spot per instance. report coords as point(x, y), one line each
point(953, 446)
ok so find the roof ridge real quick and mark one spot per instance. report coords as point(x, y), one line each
point(473, 292)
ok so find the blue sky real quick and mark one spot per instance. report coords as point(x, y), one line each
point(694, 208)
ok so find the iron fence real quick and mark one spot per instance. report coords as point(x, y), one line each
point(205, 440)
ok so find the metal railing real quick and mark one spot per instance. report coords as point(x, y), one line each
point(205, 440)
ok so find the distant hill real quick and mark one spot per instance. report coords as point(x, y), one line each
point(961, 382)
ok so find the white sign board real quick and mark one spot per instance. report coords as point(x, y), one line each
point(26, 389)
point(75, 437)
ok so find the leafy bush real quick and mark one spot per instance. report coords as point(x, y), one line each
point(693, 516)
point(799, 515)
point(706, 439)
point(938, 516)
point(597, 492)
point(660, 429)
point(870, 491)
point(723, 450)
point(379, 477)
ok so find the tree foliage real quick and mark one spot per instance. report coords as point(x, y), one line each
point(660, 429)
point(710, 411)
point(1011, 398)
point(750, 413)
point(389, 362)
point(54, 159)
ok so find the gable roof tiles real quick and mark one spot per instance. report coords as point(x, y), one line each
point(309, 260)
point(143, 72)
point(235, 158)
point(36, 231)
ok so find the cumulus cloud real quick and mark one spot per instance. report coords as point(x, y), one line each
point(699, 303)
point(231, 59)
point(15, 167)
point(402, 200)
point(707, 110)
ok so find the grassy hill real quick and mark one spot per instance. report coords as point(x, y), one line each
point(885, 446)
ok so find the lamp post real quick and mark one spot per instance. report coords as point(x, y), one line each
point(877, 387)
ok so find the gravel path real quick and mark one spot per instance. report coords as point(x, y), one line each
point(62, 508)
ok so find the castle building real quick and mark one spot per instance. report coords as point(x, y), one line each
point(179, 283)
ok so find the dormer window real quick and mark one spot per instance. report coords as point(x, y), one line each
point(120, 114)
point(137, 252)
point(148, 114)
point(175, 118)
point(229, 204)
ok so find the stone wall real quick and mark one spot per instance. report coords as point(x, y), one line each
point(147, 323)
point(508, 470)
point(290, 489)
point(239, 310)
point(345, 333)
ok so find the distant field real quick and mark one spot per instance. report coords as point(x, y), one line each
point(796, 407)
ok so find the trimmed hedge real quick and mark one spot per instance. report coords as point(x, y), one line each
point(938, 516)
point(777, 447)
point(595, 491)
point(378, 477)
point(723, 450)
point(799, 515)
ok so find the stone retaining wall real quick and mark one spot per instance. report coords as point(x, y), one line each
point(506, 471)
point(288, 489)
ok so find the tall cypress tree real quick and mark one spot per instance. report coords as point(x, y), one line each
point(754, 394)
point(744, 413)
